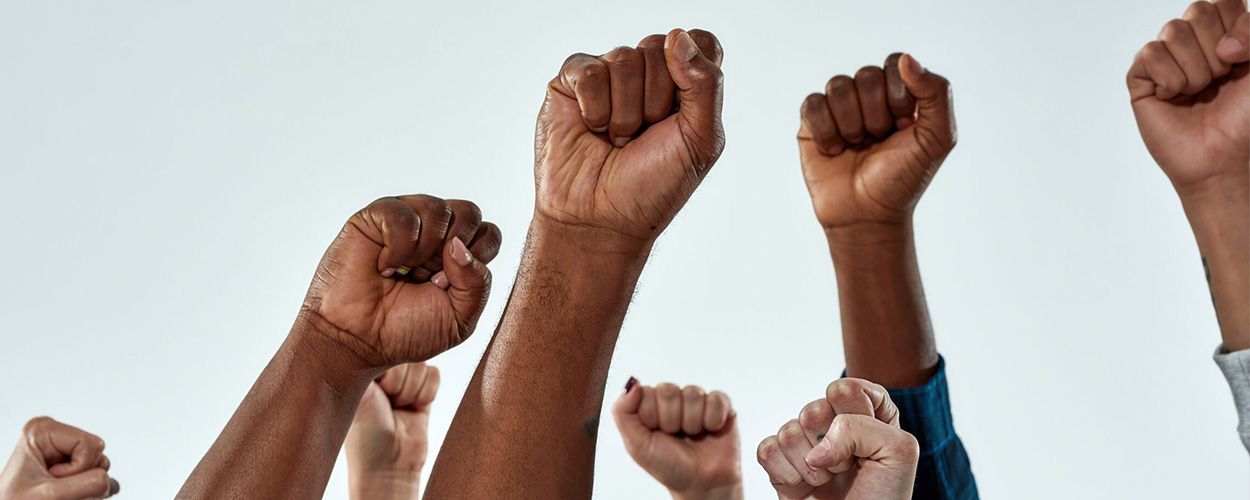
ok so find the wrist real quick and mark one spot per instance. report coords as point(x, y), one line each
point(723, 492)
point(869, 240)
point(320, 349)
point(1220, 197)
point(588, 239)
point(385, 486)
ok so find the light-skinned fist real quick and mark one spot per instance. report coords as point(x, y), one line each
point(846, 446)
point(388, 442)
point(686, 438)
point(55, 461)
point(624, 138)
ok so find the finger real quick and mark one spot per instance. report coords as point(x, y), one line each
point(716, 411)
point(853, 437)
point(465, 219)
point(55, 442)
point(627, 74)
point(649, 409)
point(412, 229)
point(819, 126)
point(1234, 48)
point(1204, 18)
point(467, 285)
point(626, 413)
point(1154, 72)
point(486, 243)
point(587, 78)
point(795, 447)
point(935, 116)
point(843, 102)
point(902, 104)
point(92, 483)
point(104, 463)
point(699, 95)
point(401, 379)
point(658, 88)
point(815, 418)
point(870, 84)
point(668, 407)
point(780, 471)
point(1230, 11)
point(1178, 36)
point(693, 400)
point(861, 397)
point(429, 389)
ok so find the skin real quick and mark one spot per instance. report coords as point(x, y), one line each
point(389, 438)
point(686, 438)
point(54, 461)
point(364, 313)
point(847, 446)
point(869, 147)
point(531, 413)
point(1191, 95)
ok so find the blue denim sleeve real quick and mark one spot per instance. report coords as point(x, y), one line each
point(944, 472)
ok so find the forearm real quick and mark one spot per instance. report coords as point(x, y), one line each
point(723, 493)
point(1219, 214)
point(283, 439)
point(397, 486)
point(886, 333)
point(531, 413)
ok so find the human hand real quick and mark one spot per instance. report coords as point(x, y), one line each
point(389, 439)
point(685, 438)
point(623, 139)
point(54, 461)
point(847, 446)
point(1191, 96)
point(367, 297)
point(870, 144)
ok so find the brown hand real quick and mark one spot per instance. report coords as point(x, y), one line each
point(870, 144)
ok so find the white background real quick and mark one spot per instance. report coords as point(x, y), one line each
point(170, 175)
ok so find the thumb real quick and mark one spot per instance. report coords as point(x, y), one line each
point(94, 483)
point(935, 116)
point(1235, 46)
point(625, 412)
point(700, 90)
point(467, 281)
point(852, 437)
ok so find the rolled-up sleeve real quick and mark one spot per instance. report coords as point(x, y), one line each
point(1236, 368)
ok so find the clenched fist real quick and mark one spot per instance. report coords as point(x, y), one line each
point(870, 144)
point(623, 139)
point(389, 439)
point(847, 446)
point(54, 461)
point(1191, 96)
point(369, 295)
point(685, 438)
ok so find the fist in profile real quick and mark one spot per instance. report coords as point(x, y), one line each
point(624, 138)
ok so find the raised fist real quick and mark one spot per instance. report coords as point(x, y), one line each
point(685, 438)
point(1191, 95)
point(54, 461)
point(847, 446)
point(388, 442)
point(623, 139)
point(368, 294)
point(870, 144)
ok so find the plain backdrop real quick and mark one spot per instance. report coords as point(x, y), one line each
point(170, 174)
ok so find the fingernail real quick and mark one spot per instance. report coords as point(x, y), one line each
point(599, 130)
point(915, 65)
point(629, 384)
point(620, 142)
point(903, 123)
point(403, 271)
point(684, 48)
point(817, 454)
point(820, 437)
point(834, 151)
point(386, 273)
point(114, 487)
point(460, 253)
point(440, 280)
point(1230, 46)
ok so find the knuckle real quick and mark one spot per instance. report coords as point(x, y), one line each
point(667, 390)
point(767, 449)
point(840, 83)
point(813, 102)
point(1173, 30)
point(868, 73)
point(623, 56)
point(36, 423)
point(812, 413)
point(1200, 9)
point(907, 447)
point(98, 482)
point(693, 392)
point(652, 42)
point(791, 433)
point(843, 389)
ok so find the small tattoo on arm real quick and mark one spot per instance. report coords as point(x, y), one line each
point(592, 428)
